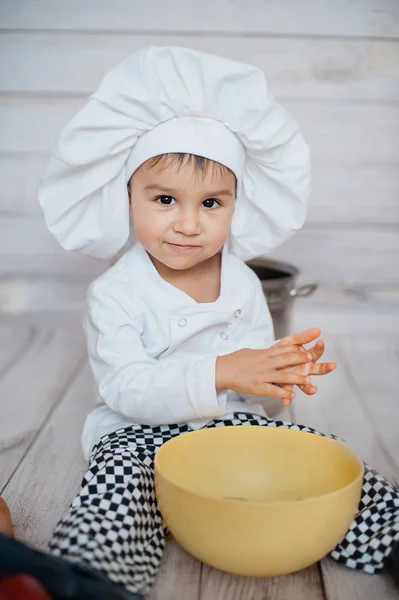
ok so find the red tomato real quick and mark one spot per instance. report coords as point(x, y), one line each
point(22, 587)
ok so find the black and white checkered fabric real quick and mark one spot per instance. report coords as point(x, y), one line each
point(114, 524)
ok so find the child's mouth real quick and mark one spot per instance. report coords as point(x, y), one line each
point(182, 247)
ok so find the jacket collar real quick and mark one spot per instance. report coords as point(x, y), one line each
point(174, 295)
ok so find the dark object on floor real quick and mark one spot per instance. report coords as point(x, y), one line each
point(62, 580)
point(22, 587)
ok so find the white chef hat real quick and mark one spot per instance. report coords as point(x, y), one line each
point(170, 99)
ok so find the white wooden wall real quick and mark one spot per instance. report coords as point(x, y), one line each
point(333, 63)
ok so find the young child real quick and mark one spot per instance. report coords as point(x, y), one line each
point(212, 172)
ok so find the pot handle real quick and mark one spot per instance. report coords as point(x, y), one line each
point(303, 291)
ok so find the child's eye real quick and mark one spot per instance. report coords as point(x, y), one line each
point(165, 200)
point(211, 203)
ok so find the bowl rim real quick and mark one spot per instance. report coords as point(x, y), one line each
point(247, 503)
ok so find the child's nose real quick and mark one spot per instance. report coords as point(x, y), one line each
point(188, 223)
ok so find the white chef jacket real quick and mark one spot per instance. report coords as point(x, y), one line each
point(152, 348)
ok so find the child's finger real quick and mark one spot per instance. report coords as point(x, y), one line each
point(276, 350)
point(317, 350)
point(322, 368)
point(287, 360)
point(276, 391)
point(283, 377)
point(309, 390)
point(304, 337)
point(286, 402)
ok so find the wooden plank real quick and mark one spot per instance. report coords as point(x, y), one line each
point(334, 310)
point(57, 264)
point(69, 321)
point(354, 193)
point(295, 67)
point(344, 317)
point(337, 133)
point(19, 194)
point(43, 486)
point(26, 246)
point(13, 344)
point(326, 254)
point(338, 407)
point(34, 230)
point(371, 365)
point(342, 583)
point(30, 390)
point(344, 256)
point(341, 193)
point(304, 585)
point(178, 577)
point(52, 119)
point(357, 18)
point(43, 294)
point(347, 301)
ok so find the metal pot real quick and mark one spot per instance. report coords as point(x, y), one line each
point(278, 282)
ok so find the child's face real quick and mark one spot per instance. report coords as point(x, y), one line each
point(181, 216)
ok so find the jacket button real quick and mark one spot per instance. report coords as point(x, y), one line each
point(224, 336)
point(182, 322)
point(237, 313)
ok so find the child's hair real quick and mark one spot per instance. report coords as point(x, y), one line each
point(200, 164)
point(180, 160)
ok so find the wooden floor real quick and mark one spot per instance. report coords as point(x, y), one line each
point(46, 391)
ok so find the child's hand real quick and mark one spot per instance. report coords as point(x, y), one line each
point(310, 368)
point(256, 371)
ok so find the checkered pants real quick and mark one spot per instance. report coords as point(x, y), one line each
point(114, 524)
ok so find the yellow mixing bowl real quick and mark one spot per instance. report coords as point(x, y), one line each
point(257, 500)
